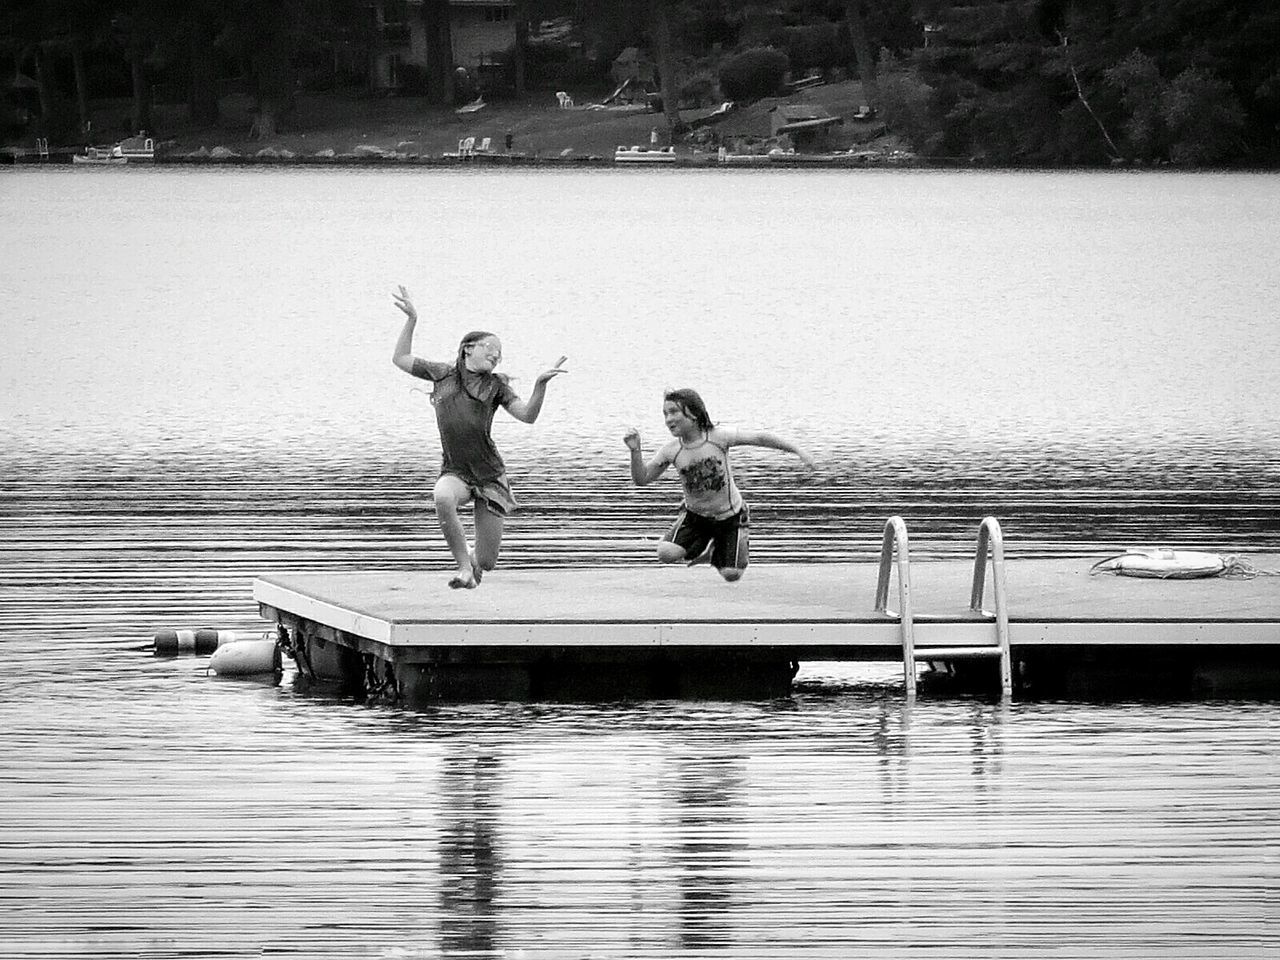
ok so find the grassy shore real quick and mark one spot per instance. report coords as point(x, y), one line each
point(341, 122)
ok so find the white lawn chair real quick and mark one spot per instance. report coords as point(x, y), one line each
point(564, 100)
point(467, 147)
point(484, 146)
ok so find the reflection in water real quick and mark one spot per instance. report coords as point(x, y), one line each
point(709, 794)
point(890, 738)
point(987, 743)
point(470, 856)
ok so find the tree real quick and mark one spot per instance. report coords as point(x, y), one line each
point(264, 37)
point(198, 30)
point(856, 16)
point(268, 38)
point(1138, 79)
point(1134, 53)
point(1203, 116)
point(27, 25)
point(660, 25)
point(998, 83)
point(435, 18)
point(1192, 119)
point(139, 25)
point(665, 56)
point(37, 33)
point(1084, 100)
point(517, 54)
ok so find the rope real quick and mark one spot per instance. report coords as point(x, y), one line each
point(1097, 567)
point(1238, 568)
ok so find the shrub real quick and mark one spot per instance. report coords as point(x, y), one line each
point(698, 89)
point(904, 107)
point(754, 73)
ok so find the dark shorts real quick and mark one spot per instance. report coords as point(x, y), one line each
point(728, 537)
point(495, 494)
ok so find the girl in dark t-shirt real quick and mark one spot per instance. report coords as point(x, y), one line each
point(465, 395)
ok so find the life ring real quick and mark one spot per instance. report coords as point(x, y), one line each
point(1159, 564)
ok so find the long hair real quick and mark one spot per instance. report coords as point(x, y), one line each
point(692, 405)
point(459, 366)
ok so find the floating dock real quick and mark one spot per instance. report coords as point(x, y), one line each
point(675, 631)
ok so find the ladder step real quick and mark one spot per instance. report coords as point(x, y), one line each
point(964, 615)
point(955, 653)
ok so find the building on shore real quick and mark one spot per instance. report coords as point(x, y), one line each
point(480, 31)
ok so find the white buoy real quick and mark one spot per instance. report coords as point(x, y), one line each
point(173, 642)
point(243, 658)
point(1158, 563)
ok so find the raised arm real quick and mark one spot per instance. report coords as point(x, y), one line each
point(528, 410)
point(403, 356)
point(644, 473)
point(762, 438)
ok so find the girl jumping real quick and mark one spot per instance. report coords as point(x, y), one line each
point(713, 518)
point(466, 394)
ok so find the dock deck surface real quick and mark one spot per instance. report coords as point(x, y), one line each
point(1051, 601)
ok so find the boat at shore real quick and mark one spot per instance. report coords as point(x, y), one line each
point(97, 155)
point(644, 155)
point(741, 159)
point(140, 148)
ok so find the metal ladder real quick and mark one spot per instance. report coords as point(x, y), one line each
point(989, 540)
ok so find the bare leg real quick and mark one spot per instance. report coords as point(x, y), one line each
point(488, 539)
point(669, 552)
point(451, 493)
point(738, 548)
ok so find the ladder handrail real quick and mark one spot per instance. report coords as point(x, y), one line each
point(990, 538)
point(895, 536)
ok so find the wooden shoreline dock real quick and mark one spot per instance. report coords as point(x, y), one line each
point(651, 630)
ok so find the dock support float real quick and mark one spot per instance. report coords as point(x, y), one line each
point(365, 668)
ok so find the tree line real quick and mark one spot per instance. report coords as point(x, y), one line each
point(1193, 82)
point(1050, 82)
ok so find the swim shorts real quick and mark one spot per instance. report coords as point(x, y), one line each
point(728, 537)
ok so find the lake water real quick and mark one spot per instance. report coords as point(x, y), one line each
point(196, 387)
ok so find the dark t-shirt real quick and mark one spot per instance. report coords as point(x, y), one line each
point(465, 416)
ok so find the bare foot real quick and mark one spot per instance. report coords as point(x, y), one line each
point(463, 580)
point(476, 570)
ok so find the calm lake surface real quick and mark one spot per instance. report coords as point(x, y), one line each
point(196, 388)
